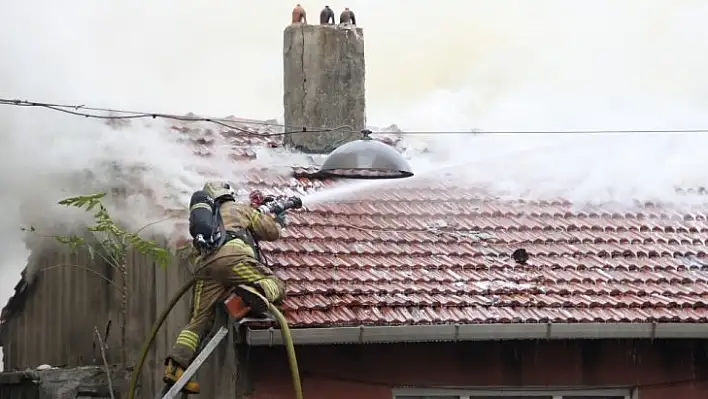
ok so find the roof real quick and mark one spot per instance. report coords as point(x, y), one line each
point(440, 256)
point(428, 252)
point(432, 253)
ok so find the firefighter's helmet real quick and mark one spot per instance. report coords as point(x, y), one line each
point(220, 190)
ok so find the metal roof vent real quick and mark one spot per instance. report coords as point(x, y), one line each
point(366, 159)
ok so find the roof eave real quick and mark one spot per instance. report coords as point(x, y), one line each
point(478, 332)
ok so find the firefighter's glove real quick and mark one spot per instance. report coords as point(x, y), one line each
point(265, 209)
point(281, 219)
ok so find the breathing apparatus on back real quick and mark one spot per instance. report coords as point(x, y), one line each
point(205, 223)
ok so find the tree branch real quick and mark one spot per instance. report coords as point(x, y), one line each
point(114, 262)
point(105, 362)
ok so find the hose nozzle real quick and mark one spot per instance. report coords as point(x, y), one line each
point(293, 202)
point(281, 204)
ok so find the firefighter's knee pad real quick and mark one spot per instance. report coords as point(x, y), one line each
point(271, 289)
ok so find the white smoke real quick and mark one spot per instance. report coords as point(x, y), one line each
point(449, 65)
point(551, 66)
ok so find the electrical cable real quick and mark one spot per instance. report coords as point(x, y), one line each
point(117, 114)
point(128, 115)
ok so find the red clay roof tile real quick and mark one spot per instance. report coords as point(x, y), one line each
point(416, 255)
point(435, 252)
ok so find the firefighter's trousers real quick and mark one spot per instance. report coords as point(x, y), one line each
point(215, 280)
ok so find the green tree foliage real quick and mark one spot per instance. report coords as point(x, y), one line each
point(111, 243)
point(114, 241)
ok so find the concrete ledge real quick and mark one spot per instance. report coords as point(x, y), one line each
point(64, 382)
point(479, 332)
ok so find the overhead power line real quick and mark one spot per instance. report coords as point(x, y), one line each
point(118, 114)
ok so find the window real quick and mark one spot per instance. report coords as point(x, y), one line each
point(512, 393)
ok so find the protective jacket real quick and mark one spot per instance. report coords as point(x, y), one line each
point(244, 226)
point(225, 234)
point(224, 228)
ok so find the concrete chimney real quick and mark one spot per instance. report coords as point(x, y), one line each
point(324, 85)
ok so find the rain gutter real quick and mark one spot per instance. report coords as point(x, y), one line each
point(478, 332)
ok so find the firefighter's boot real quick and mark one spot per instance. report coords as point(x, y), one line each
point(173, 372)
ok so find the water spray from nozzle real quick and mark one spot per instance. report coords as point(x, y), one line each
point(345, 191)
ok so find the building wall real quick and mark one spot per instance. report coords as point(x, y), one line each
point(54, 319)
point(659, 369)
point(54, 324)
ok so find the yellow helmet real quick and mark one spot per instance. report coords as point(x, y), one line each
point(219, 189)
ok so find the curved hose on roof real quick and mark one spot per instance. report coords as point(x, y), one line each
point(284, 329)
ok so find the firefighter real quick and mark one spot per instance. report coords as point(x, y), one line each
point(347, 17)
point(326, 16)
point(226, 235)
point(299, 15)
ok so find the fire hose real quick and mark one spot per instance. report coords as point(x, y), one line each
point(285, 331)
point(281, 206)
